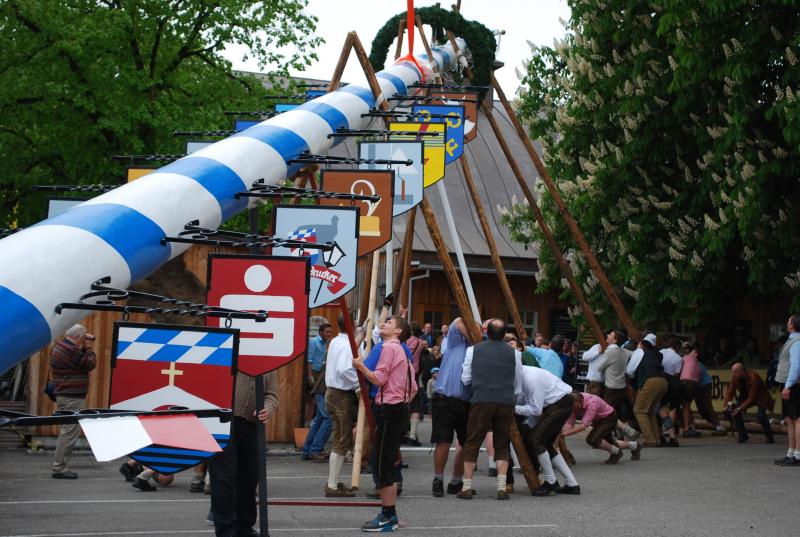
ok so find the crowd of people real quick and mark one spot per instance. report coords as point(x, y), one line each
point(635, 395)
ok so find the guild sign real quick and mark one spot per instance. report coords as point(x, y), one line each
point(333, 273)
point(277, 285)
point(375, 220)
point(470, 103)
point(433, 156)
point(408, 178)
point(454, 141)
point(155, 367)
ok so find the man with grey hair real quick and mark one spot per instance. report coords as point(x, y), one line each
point(71, 360)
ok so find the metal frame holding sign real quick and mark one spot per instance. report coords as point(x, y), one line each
point(278, 285)
point(408, 181)
point(375, 217)
point(333, 273)
point(199, 364)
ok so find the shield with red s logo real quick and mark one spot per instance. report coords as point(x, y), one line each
point(277, 285)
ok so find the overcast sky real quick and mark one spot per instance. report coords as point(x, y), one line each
point(523, 20)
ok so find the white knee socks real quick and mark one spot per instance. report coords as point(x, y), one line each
point(561, 465)
point(334, 469)
point(547, 467)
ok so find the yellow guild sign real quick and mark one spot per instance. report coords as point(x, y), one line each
point(434, 153)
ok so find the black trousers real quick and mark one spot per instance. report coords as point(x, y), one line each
point(761, 415)
point(234, 478)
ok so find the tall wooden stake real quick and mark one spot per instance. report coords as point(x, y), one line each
point(401, 30)
point(566, 270)
point(355, 478)
point(511, 302)
point(572, 225)
point(401, 281)
point(474, 333)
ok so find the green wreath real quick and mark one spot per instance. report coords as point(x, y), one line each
point(478, 37)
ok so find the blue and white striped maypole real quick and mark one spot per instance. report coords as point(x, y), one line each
point(119, 233)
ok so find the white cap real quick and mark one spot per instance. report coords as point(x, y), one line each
point(651, 338)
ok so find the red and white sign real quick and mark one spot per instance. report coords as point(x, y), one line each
point(278, 285)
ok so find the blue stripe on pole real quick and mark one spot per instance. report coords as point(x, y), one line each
point(363, 93)
point(331, 115)
point(398, 83)
point(410, 66)
point(286, 142)
point(134, 236)
point(220, 181)
point(24, 332)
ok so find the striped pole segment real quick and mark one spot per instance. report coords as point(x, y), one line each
point(118, 233)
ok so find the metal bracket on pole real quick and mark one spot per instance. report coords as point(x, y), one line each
point(98, 189)
point(204, 133)
point(261, 190)
point(149, 158)
point(195, 234)
point(103, 298)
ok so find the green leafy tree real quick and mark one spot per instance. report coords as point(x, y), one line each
point(82, 80)
point(671, 130)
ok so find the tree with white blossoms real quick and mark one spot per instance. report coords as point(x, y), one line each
point(671, 129)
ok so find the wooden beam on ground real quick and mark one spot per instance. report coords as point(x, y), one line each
point(511, 302)
point(572, 225)
point(566, 270)
point(474, 333)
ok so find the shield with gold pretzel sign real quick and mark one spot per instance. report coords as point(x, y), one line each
point(453, 118)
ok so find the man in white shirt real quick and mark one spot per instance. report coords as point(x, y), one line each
point(672, 363)
point(594, 377)
point(341, 404)
point(612, 365)
point(546, 404)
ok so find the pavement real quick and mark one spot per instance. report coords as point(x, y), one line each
point(707, 487)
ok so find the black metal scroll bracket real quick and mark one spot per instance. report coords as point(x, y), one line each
point(261, 190)
point(65, 417)
point(204, 133)
point(449, 86)
point(148, 158)
point(308, 158)
point(103, 298)
point(194, 234)
point(266, 114)
point(344, 133)
point(75, 188)
point(391, 114)
point(427, 98)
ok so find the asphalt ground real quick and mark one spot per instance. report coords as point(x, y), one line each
point(708, 486)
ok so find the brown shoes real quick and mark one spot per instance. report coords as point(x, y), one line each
point(502, 495)
point(339, 492)
point(466, 494)
point(320, 457)
point(636, 453)
point(614, 457)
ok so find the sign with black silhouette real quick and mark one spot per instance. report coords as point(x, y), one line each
point(375, 220)
point(277, 285)
point(333, 273)
point(155, 367)
point(408, 178)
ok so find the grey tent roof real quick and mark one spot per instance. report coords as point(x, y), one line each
point(495, 183)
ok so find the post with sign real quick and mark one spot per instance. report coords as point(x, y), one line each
point(280, 286)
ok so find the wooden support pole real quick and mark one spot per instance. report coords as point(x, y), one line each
point(473, 332)
point(355, 478)
point(566, 270)
point(401, 29)
point(572, 225)
point(341, 63)
point(528, 471)
point(428, 50)
point(363, 307)
point(511, 302)
point(401, 281)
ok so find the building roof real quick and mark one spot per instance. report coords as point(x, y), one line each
point(495, 183)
